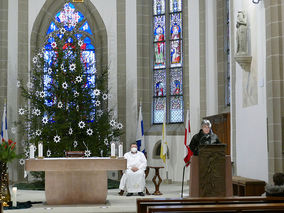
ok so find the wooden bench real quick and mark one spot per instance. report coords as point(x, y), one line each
point(144, 203)
point(250, 207)
point(247, 187)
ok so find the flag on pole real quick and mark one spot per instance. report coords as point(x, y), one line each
point(187, 136)
point(164, 147)
point(140, 132)
point(4, 126)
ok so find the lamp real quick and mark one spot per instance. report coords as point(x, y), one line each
point(255, 1)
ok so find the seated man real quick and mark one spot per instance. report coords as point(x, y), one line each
point(278, 188)
point(204, 136)
point(133, 179)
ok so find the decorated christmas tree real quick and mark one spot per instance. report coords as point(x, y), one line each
point(67, 107)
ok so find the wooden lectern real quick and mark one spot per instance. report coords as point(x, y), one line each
point(210, 172)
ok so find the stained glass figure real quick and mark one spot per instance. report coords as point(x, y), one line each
point(85, 27)
point(176, 109)
point(159, 110)
point(159, 28)
point(69, 17)
point(159, 7)
point(176, 58)
point(52, 28)
point(175, 5)
point(160, 56)
point(160, 83)
point(176, 81)
point(176, 26)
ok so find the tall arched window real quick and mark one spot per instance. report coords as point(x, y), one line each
point(72, 20)
point(227, 53)
point(167, 61)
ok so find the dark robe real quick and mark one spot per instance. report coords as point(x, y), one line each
point(201, 139)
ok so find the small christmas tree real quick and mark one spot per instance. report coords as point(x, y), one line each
point(68, 99)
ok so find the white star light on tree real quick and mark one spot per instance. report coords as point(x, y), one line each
point(76, 94)
point(56, 138)
point(97, 103)
point(60, 105)
point(80, 43)
point(49, 71)
point(30, 85)
point(79, 79)
point(53, 44)
point(21, 111)
point(44, 120)
point(36, 112)
point(38, 132)
point(62, 66)
point(37, 93)
point(42, 94)
point(70, 132)
point(81, 124)
point(100, 112)
point(97, 92)
point(87, 153)
point(72, 67)
point(48, 153)
point(62, 30)
point(22, 162)
point(75, 144)
point(18, 84)
point(104, 97)
point(112, 122)
point(119, 126)
point(89, 132)
point(35, 60)
point(65, 85)
point(40, 55)
point(106, 141)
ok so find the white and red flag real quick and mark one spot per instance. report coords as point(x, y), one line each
point(187, 136)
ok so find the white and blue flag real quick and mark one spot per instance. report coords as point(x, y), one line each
point(4, 126)
point(140, 132)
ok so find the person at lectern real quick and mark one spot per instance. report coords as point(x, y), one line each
point(203, 137)
point(133, 179)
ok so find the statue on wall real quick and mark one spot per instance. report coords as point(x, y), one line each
point(242, 33)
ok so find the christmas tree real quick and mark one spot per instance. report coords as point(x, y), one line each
point(67, 99)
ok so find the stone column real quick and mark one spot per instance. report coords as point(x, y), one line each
point(275, 83)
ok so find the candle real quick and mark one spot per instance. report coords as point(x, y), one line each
point(40, 150)
point(120, 151)
point(112, 149)
point(14, 196)
point(32, 151)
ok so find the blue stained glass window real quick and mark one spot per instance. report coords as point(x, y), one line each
point(176, 26)
point(159, 7)
point(159, 28)
point(176, 54)
point(176, 81)
point(176, 109)
point(167, 61)
point(159, 110)
point(85, 27)
point(52, 27)
point(175, 5)
point(69, 17)
point(160, 83)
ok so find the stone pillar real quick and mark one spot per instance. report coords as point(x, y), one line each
point(275, 83)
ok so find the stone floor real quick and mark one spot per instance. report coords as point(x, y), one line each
point(115, 203)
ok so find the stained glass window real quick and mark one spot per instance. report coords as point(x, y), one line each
point(71, 19)
point(167, 61)
point(227, 53)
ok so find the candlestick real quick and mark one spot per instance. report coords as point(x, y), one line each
point(120, 151)
point(112, 150)
point(32, 151)
point(14, 196)
point(40, 150)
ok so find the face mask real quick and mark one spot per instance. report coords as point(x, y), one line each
point(133, 149)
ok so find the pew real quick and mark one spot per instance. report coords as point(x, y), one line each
point(144, 203)
point(245, 207)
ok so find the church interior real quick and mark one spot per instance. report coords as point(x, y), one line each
point(177, 62)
